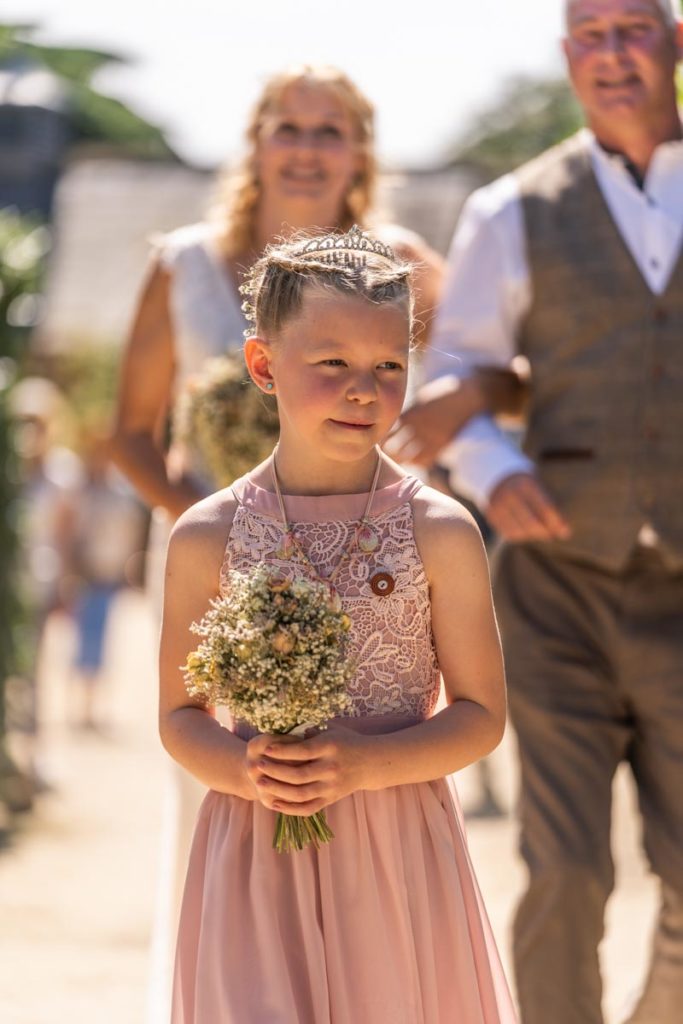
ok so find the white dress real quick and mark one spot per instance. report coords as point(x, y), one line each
point(207, 321)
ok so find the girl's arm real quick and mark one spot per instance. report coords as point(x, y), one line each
point(189, 731)
point(144, 397)
point(339, 761)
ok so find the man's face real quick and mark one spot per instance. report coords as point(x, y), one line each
point(622, 58)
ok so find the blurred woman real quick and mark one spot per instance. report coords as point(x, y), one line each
point(310, 162)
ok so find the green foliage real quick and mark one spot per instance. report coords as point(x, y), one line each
point(69, 62)
point(98, 118)
point(23, 244)
point(530, 116)
point(93, 117)
point(88, 377)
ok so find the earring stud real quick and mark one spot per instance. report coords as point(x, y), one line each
point(269, 386)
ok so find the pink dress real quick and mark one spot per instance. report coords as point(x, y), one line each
point(384, 924)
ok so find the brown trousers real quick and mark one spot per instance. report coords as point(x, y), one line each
point(595, 674)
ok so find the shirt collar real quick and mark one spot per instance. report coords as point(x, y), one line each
point(667, 157)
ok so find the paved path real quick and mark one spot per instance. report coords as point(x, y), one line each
point(77, 884)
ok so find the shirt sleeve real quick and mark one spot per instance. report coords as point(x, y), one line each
point(480, 458)
point(486, 294)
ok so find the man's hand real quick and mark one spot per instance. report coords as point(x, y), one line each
point(441, 411)
point(519, 509)
point(444, 406)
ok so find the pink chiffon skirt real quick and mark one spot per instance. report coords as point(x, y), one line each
point(384, 924)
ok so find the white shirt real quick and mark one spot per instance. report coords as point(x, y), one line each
point(488, 290)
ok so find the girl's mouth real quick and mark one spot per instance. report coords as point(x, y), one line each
point(352, 426)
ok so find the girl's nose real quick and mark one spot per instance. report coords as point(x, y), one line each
point(363, 388)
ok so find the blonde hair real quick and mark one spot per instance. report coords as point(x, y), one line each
point(240, 191)
point(352, 264)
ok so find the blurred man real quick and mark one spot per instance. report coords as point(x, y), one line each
point(575, 263)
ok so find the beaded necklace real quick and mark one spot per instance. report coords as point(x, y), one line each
point(363, 537)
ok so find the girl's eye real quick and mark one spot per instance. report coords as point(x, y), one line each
point(389, 364)
point(333, 362)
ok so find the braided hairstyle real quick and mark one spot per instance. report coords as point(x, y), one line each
point(352, 264)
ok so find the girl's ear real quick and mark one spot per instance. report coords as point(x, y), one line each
point(257, 355)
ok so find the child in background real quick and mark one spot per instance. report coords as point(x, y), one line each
point(384, 923)
point(107, 530)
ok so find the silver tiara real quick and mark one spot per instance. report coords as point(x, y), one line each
point(348, 250)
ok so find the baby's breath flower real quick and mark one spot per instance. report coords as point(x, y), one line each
point(223, 419)
point(273, 651)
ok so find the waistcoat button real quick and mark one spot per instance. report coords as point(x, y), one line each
point(660, 315)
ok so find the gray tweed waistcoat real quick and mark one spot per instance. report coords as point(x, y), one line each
point(606, 417)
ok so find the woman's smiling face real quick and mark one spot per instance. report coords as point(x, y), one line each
point(307, 151)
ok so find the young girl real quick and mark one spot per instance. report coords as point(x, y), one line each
point(384, 923)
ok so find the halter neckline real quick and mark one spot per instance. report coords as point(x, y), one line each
point(325, 507)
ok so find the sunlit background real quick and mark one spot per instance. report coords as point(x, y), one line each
point(113, 120)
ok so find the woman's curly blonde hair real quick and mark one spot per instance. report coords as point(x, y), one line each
point(239, 191)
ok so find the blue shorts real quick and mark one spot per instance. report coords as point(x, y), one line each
point(90, 616)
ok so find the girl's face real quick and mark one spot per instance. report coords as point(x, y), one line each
point(340, 372)
point(307, 151)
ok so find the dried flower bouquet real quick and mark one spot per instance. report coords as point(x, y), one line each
point(273, 651)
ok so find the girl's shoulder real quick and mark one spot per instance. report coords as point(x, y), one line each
point(444, 529)
point(438, 510)
point(200, 534)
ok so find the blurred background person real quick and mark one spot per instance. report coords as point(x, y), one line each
point(104, 531)
point(50, 474)
point(584, 276)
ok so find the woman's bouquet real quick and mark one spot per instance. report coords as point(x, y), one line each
point(273, 652)
point(223, 423)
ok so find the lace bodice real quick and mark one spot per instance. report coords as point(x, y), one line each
point(391, 638)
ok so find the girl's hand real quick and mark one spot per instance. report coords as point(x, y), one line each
point(302, 776)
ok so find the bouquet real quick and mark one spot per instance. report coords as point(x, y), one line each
point(227, 424)
point(273, 652)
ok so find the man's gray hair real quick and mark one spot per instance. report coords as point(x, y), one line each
point(669, 8)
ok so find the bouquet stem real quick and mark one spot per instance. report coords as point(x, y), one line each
point(294, 832)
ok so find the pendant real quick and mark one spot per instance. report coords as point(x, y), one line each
point(286, 547)
point(382, 584)
point(367, 539)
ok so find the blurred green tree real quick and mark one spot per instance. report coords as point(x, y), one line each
point(530, 116)
point(94, 120)
point(23, 244)
point(94, 117)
